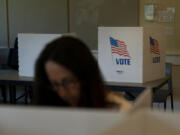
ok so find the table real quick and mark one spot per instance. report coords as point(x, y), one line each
point(137, 87)
point(12, 79)
point(155, 84)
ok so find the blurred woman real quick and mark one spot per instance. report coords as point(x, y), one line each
point(66, 74)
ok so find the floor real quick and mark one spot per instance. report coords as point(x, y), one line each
point(160, 107)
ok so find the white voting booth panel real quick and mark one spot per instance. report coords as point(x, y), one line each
point(54, 121)
point(29, 48)
point(147, 123)
point(131, 54)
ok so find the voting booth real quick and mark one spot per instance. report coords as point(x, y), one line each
point(131, 54)
point(29, 48)
point(147, 122)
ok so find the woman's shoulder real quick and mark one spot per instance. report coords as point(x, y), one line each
point(117, 101)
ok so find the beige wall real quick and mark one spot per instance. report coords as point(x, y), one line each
point(87, 15)
point(3, 24)
point(28, 16)
point(173, 42)
point(176, 81)
point(36, 16)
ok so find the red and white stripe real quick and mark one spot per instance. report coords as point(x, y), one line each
point(121, 50)
point(155, 47)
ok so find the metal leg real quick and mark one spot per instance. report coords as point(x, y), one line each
point(30, 93)
point(165, 105)
point(130, 95)
point(4, 93)
point(12, 92)
point(26, 95)
point(172, 103)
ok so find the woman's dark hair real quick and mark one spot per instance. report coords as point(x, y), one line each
point(74, 55)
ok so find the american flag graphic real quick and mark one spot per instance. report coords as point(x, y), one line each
point(119, 47)
point(154, 46)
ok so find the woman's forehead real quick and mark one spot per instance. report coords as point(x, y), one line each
point(56, 71)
